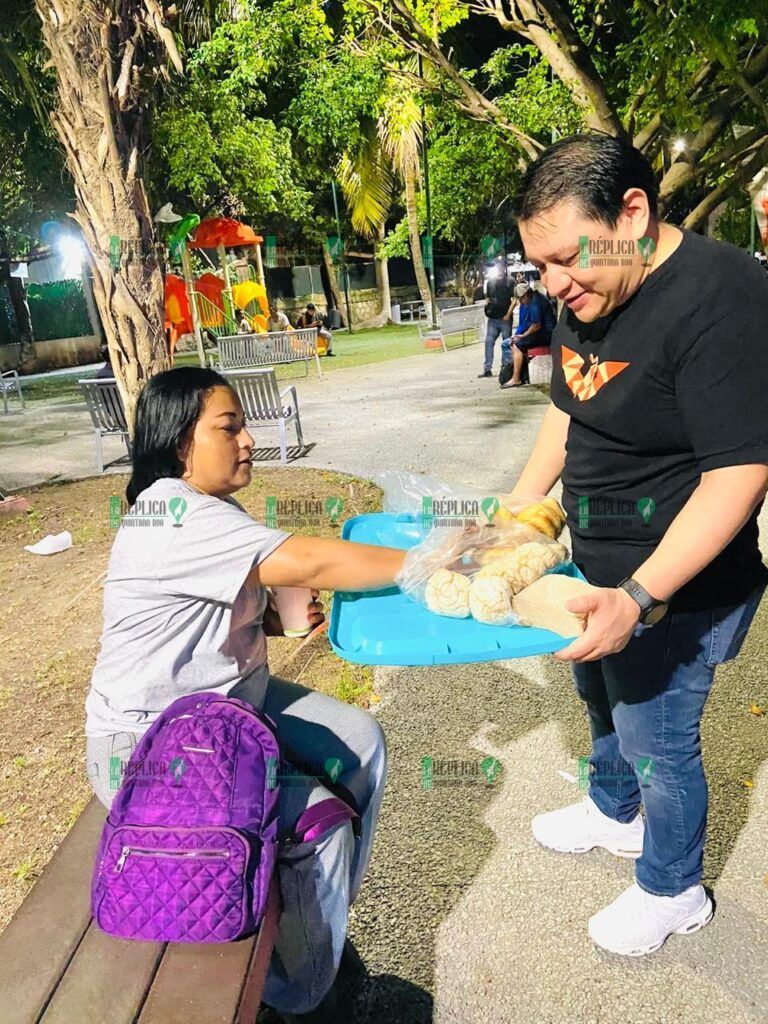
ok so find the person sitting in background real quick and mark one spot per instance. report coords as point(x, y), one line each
point(277, 320)
point(534, 330)
point(243, 323)
point(106, 370)
point(311, 318)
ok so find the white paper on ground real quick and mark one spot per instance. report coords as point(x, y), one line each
point(51, 544)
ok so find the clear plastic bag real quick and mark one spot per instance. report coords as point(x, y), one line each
point(476, 570)
point(447, 505)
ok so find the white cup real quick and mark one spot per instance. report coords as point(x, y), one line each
point(293, 608)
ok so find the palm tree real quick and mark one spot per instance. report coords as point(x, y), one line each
point(389, 148)
point(401, 138)
point(368, 186)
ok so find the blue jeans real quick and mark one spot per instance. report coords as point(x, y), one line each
point(495, 328)
point(645, 705)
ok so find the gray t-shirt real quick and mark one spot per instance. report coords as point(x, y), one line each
point(178, 617)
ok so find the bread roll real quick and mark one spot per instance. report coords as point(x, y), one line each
point(542, 604)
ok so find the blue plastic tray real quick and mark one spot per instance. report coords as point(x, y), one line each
point(386, 627)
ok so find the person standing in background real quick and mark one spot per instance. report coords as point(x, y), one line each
point(498, 310)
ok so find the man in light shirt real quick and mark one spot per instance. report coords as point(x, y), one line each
point(277, 321)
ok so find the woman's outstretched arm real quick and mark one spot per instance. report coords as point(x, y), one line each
point(328, 564)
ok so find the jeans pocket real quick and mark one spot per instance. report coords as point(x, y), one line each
point(730, 627)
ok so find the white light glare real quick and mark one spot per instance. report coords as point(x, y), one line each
point(72, 253)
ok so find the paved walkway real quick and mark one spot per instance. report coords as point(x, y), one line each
point(464, 919)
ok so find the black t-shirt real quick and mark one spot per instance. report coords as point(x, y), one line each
point(670, 385)
point(499, 298)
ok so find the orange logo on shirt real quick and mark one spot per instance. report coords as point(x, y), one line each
point(586, 385)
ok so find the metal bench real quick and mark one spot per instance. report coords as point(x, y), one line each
point(9, 381)
point(469, 321)
point(58, 967)
point(107, 414)
point(264, 405)
point(243, 350)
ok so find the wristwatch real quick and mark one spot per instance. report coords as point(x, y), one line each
point(651, 610)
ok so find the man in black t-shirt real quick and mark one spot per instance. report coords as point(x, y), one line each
point(498, 310)
point(659, 428)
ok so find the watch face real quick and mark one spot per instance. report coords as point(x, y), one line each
point(655, 614)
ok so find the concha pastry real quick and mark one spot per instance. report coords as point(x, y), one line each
point(447, 593)
point(490, 600)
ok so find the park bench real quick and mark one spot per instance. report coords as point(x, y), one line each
point(107, 414)
point(242, 350)
point(469, 321)
point(9, 382)
point(264, 405)
point(58, 967)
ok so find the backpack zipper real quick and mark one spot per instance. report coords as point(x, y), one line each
point(142, 852)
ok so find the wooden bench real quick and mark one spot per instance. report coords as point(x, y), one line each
point(469, 321)
point(58, 967)
point(107, 414)
point(236, 351)
point(265, 405)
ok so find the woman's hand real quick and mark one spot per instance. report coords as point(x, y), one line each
point(316, 614)
point(271, 623)
point(612, 615)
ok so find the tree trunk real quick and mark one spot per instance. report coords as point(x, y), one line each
point(98, 50)
point(18, 300)
point(382, 277)
point(413, 231)
point(329, 266)
point(18, 296)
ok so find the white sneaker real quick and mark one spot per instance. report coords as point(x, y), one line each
point(582, 826)
point(638, 922)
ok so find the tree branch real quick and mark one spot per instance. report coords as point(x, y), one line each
point(740, 177)
point(478, 106)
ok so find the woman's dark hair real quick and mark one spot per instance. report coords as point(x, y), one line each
point(591, 169)
point(169, 405)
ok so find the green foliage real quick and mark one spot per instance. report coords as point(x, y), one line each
point(530, 96)
point(472, 170)
point(34, 186)
point(216, 155)
point(397, 242)
point(735, 223)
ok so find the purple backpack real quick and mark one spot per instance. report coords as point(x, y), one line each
point(189, 846)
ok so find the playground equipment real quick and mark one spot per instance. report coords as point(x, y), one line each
point(213, 299)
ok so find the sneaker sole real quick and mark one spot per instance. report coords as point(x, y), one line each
point(617, 851)
point(694, 924)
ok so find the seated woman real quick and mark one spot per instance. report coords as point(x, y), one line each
point(186, 610)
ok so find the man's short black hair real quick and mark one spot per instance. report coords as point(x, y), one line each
point(591, 169)
point(310, 305)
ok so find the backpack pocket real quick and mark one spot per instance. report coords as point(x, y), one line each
point(175, 884)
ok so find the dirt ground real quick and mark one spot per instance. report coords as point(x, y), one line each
point(50, 623)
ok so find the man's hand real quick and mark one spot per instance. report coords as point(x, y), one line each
point(612, 616)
